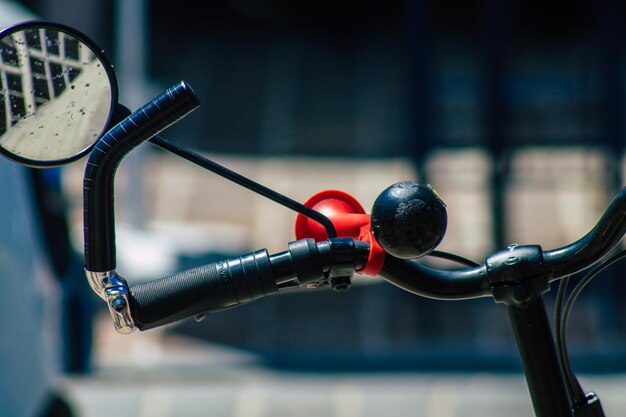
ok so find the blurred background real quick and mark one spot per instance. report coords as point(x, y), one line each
point(512, 110)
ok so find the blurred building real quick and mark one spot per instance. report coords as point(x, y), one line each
point(513, 110)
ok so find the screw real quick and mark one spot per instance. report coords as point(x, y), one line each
point(119, 304)
point(340, 284)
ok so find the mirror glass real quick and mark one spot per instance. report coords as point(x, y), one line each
point(56, 94)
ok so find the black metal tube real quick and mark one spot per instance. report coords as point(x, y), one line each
point(99, 223)
point(472, 282)
point(601, 239)
point(435, 283)
point(282, 267)
point(538, 356)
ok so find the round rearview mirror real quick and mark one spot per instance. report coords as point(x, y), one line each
point(57, 94)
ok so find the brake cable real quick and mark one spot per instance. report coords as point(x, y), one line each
point(453, 258)
point(563, 308)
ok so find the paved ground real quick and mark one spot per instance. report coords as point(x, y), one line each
point(157, 375)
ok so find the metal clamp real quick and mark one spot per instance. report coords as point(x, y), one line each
point(114, 290)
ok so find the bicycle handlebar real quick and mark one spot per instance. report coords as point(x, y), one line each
point(605, 235)
point(407, 220)
point(229, 283)
point(436, 283)
point(237, 281)
point(479, 281)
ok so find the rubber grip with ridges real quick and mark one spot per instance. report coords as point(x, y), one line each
point(202, 290)
point(99, 224)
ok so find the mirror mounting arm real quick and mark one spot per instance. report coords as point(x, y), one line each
point(99, 223)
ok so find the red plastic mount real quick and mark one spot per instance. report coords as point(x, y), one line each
point(349, 219)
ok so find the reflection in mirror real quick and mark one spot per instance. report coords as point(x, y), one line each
point(56, 96)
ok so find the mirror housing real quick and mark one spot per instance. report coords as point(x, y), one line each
point(58, 94)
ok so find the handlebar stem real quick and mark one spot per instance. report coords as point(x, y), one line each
point(507, 267)
point(518, 280)
point(537, 353)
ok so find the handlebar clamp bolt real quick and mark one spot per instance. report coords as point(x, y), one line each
point(341, 284)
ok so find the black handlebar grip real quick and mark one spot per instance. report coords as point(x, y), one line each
point(99, 226)
point(202, 290)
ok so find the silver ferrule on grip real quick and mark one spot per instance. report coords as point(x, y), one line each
point(113, 289)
